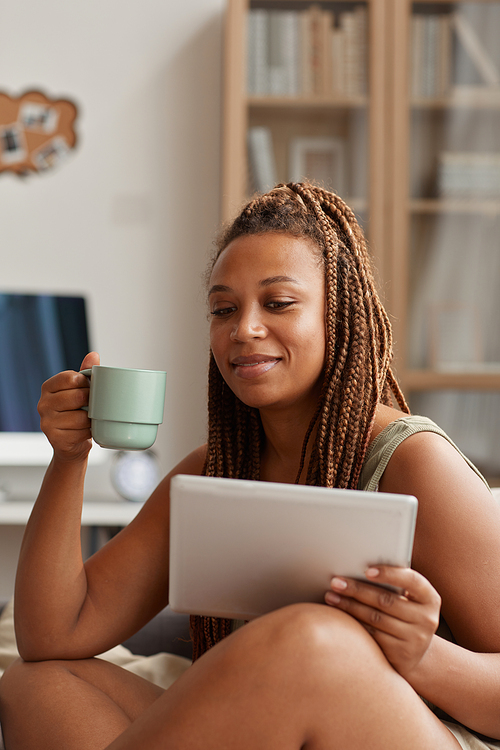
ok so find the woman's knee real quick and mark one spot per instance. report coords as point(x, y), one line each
point(23, 680)
point(316, 626)
point(309, 635)
point(303, 649)
point(12, 680)
point(15, 687)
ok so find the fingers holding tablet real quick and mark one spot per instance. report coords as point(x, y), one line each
point(402, 624)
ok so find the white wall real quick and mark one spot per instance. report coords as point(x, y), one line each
point(130, 218)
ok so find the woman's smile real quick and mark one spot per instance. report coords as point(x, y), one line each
point(254, 365)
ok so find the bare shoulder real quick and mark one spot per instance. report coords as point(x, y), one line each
point(427, 462)
point(383, 417)
point(193, 463)
point(456, 540)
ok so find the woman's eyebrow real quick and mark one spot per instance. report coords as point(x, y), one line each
point(277, 280)
point(219, 288)
point(265, 282)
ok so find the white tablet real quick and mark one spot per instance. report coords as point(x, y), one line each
point(241, 548)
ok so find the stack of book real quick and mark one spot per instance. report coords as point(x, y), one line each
point(311, 52)
point(431, 39)
point(434, 37)
point(469, 174)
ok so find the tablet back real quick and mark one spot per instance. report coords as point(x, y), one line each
point(241, 548)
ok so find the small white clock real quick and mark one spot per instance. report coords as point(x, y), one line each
point(135, 474)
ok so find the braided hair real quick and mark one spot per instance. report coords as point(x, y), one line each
point(357, 372)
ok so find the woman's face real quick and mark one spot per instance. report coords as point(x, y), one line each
point(267, 332)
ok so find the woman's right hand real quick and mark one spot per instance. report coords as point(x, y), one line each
point(62, 419)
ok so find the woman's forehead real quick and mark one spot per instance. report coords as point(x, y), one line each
point(272, 253)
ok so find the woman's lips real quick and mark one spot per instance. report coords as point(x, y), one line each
point(252, 367)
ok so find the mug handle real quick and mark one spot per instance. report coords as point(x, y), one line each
point(87, 374)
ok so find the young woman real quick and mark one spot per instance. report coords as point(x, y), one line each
point(300, 390)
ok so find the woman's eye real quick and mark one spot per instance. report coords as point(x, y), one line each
point(278, 304)
point(222, 311)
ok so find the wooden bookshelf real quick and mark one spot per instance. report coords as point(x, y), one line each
point(408, 121)
point(318, 115)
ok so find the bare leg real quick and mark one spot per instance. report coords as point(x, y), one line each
point(81, 704)
point(306, 676)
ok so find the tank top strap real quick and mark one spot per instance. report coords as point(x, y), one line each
point(386, 442)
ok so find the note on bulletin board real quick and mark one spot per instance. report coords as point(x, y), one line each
point(36, 133)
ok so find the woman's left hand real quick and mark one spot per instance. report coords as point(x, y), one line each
point(402, 625)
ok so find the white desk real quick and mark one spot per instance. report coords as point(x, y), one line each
point(95, 512)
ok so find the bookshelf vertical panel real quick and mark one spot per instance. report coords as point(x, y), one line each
point(398, 176)
point(378, 189)
point(234, 120)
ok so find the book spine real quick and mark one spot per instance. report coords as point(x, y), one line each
point(291, 52)
point(326, 51)
point(445, 53)
point(347, 24)
point(261, 158)
point(431, 29)
point(251, 52)
point(275, 53)
point(361, 50)
point(305, 47)
point(316, 52)
point(337, 51)
point(417, 54)
point(258, 74)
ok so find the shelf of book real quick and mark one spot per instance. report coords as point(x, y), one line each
point(307, 102)
point(457, 206)
point(434, 380)
point(298, 99)
point(308, 48)
point(474, 97)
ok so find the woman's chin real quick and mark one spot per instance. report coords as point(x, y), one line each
point(255, 398)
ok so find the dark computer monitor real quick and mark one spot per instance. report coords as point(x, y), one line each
point(40, 335)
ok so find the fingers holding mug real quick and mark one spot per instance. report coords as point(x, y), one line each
point(62, 418)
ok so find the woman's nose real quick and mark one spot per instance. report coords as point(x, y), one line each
point(248, 325)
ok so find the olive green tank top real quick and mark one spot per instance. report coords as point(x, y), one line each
point(380, 451)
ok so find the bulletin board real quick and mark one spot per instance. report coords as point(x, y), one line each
point(36, 132)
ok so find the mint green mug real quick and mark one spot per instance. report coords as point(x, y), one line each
point(125, 406)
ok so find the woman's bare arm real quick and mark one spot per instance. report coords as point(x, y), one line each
point(63, 607)
point(456, 541)
point(456, 551)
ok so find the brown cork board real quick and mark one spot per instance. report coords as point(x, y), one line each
point(36, 132)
